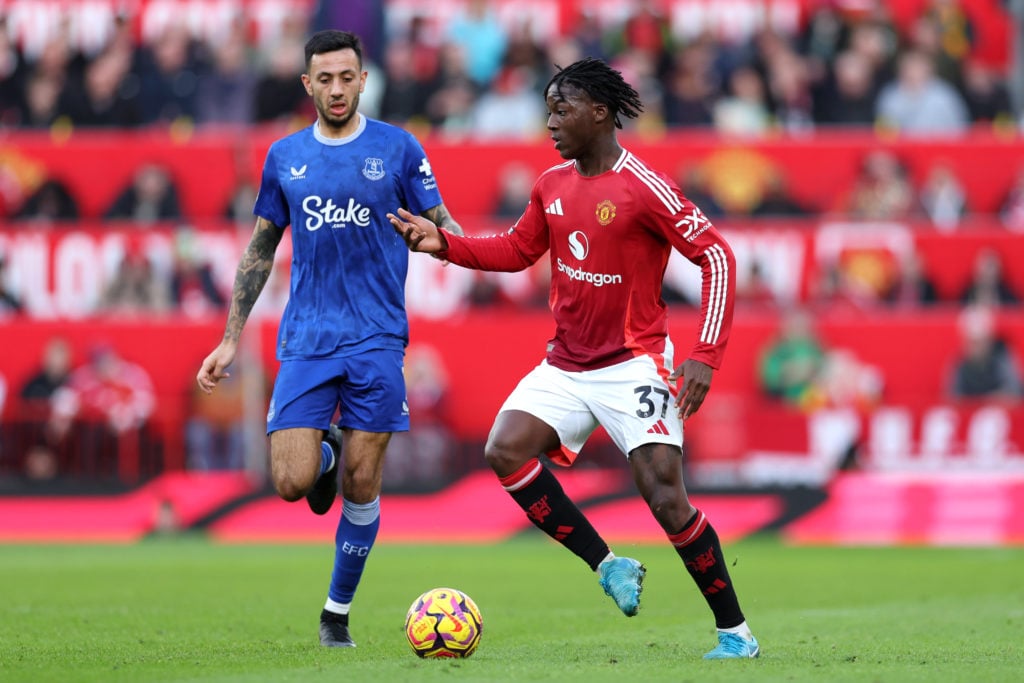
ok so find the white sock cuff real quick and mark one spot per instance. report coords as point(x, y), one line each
point(337, 607)
point(361, 514)
point(741, 630)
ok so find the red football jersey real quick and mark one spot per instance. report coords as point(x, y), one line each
point(610, 237)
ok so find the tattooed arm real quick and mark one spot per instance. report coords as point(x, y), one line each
point(252, 274)
point(440, 217)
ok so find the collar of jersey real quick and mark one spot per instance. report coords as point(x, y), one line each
point(340, 141)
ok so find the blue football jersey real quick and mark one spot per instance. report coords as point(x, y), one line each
point(348, 266)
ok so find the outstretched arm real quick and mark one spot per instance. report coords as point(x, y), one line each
point(252, 274)
point(419, 233)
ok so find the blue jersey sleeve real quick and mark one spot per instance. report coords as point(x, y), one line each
point(419, 185)
point(270, 202)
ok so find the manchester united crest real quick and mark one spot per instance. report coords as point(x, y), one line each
point(605, 212)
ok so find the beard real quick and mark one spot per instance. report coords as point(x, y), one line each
point(337, 122)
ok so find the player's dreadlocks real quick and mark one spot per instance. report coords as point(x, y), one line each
point(603, 84)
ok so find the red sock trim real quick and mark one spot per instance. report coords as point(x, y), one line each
point(521, 477)
point(691, 532)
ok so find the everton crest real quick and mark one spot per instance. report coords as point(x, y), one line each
point(373, 168)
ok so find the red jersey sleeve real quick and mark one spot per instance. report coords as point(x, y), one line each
point(514, 250)
point(690, 232)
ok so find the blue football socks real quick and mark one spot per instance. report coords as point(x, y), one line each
point(326, 457)
point(357, 531)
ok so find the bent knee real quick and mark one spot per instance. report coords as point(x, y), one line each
point(670, 506)
point(290, 489)
point(503, 458)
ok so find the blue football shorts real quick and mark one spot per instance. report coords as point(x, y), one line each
point(368, 388)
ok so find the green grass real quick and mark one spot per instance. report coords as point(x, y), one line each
point(189, 610)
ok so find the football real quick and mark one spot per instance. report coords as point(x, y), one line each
point(443, 622)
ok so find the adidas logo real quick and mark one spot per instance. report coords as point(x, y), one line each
point(555, 208)
point(658, 428)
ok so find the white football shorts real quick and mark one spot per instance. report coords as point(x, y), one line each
point(632, 400)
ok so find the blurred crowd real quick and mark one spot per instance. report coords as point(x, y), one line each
point(849, 65)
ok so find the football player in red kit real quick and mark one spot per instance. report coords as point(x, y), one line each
point(610, 223)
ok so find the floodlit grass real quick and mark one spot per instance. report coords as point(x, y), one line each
point(189, 610)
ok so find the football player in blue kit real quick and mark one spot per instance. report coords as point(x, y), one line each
point(343, 333)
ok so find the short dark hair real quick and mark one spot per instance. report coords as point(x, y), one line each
point(331, 40)
point(602, 83)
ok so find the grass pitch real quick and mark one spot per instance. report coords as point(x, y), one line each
point(189, 610)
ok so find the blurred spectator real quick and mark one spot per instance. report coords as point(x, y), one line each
point(988, 285)
point(52, 374)
point(39, 440)
point(58, 59)
point(790, 364)
point(641, 69)
point(425, 54)
point(986, 94)
point(135, 290)
point(986, 367)
point(453, 94)
point(101, 98)
point(925, 36)
point(510, 109)
point(882, 190)
point(103, 400)
point(789, 84)
point(10, 302)
point(822, 36)
point(588, 35)
point(279, 95)
point(150, 197)
point(50, 203)
point(777, 201)
point(690, 87)
point(40, 104)
point(912, 286)
point(953, 28)
point(225, 92)
point(646, 28)
point(743, 110)
point(523, 52)
point(943, 197)
point(193, 290)
point(215, 427)
point(515, 183)
point(168, 76)
point(797, 368)
point(877, 42)
point(847, 97)
point(920, 103)
point(482, 38)
point(404, 94)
